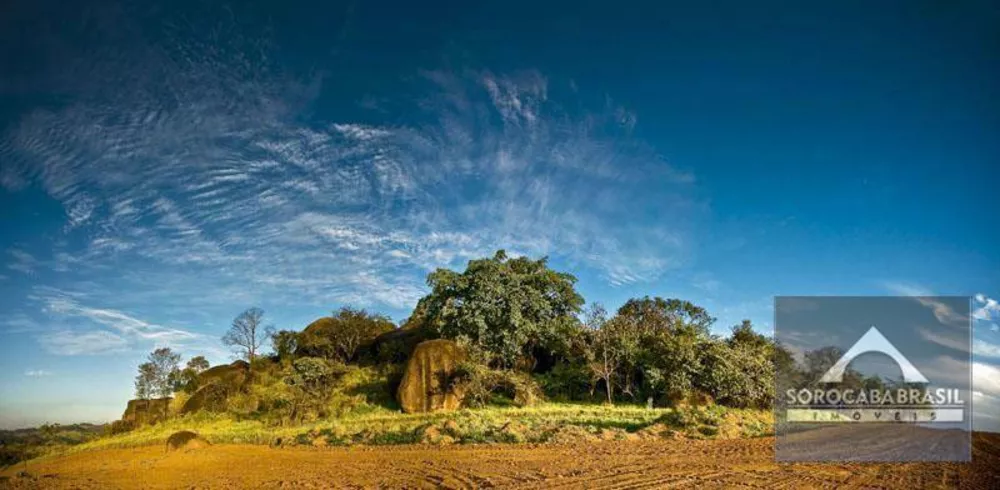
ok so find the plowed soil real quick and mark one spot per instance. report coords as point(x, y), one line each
point(620, 464)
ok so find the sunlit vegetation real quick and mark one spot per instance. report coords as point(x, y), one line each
point(540, 367)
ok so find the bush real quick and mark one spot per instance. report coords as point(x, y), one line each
point(738, 375)
point(480, 385)
point(118, 427)
point(567, 382)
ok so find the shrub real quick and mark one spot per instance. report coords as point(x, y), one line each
point(284, 343)
point(118, 427)
point(739, 376)
point(567, 382)
point(481, 384)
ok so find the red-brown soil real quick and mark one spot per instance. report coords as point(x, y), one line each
point(746, 463)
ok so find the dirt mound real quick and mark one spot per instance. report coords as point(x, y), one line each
point(142, 412)
point(424, 384)
point(185, 440)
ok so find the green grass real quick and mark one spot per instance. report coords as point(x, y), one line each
point(380, 426)
point(363, 411)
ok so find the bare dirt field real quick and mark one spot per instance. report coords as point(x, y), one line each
point(746, 463)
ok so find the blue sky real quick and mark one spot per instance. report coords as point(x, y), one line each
point(163, 167)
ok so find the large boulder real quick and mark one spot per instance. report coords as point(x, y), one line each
point(215, 385)
point(396, 346)
point(424, 387)
point(314, 340)
point(143, 412)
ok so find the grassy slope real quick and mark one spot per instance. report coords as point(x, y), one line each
point(369, 415)
point(548, 422)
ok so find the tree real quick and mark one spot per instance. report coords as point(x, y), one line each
point(144, 381)
point(658, 341)
point(247, 334)
point(509, 307)
point(198, 364)
point(187, 379)
point(341, 335)
point(159, 375)
point(604, 354)
point(284, 343)
point(744, 335)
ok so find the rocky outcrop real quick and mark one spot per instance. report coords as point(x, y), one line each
point(144, 412)
point(397, 346)
point(424, 387)
point(215, 385)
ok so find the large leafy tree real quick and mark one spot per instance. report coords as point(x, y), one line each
point(158, 375)
point(658, 342)
point(508, 307)
point(739, 371)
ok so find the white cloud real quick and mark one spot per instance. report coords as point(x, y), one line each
point(22, 261)
point(952, 371)
point(903, 289)
point(37, 373)
point(207, 184)
point(987, 308)
point(942, 311)
point(72, 343)
point(986, 378)
point(120, 322)
point(984, 348)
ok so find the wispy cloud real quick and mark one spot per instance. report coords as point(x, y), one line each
point(122, 323)
point(73, 343)
point(978, 347)
point(942, 311)
point(37, 373)
point(207, 177)
point(22, 261)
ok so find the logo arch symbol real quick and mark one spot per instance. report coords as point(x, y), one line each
point(873, 341)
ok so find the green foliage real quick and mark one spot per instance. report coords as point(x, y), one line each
point(649, 349)
point(198, 364)
point(567, 382)
point(284, 343)
point(312, 375)
point(159, 376)
point(509, 307)
point(340, 336)
point(396, 346)
point(24, 444)
point(118, 427)
point(482, 385)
